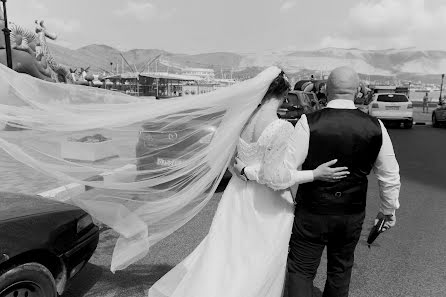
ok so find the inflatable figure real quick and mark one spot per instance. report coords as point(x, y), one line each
point(23, 52)
point(82, 80)
point(73, 74)
point(62, 72)
point(30, 53)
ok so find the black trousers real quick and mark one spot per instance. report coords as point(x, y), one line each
point(311, 234)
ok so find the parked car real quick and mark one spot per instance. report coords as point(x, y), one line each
point(150, 154)
point(439, 116)
point(362, 103)
point(363, 99)
point(297, 104)
point(392, 107)
point(43, 244)
point(316, 87)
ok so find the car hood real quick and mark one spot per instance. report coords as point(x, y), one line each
point(14, 205)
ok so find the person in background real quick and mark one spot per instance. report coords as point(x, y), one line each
point(426, 102)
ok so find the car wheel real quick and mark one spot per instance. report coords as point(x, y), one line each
point(408, 124)
point(30, 279)
point(434, 121)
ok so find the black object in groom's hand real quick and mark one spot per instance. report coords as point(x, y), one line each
point(377, 229)
point(238, 168)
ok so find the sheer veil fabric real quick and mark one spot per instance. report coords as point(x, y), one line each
point(246, 249)
point(179, 149)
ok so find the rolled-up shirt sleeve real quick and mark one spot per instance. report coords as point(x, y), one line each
point(387, 171)
point(297, 153)
point(298, 146)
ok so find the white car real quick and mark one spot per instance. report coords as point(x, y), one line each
point(392, 107)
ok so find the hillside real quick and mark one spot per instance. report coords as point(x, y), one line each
point(380, 62)
point(409, 64)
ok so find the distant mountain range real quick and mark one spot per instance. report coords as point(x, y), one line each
point(408, 64)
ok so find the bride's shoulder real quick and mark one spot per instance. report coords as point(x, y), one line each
point(283, 129)
point(286, 126)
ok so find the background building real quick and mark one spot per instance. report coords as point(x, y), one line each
point(204, 73)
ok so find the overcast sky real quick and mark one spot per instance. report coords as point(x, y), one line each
point(194, 26)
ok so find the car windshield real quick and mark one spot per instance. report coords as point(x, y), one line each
point(291, 100)
point(392, 98)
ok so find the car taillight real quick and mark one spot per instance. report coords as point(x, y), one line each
point(144, 135)
point(206, 139)
point(375, 105)
point(409, 105)
point(84, 222)
point(146, 138)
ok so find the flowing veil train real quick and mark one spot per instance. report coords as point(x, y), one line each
point(147, 204)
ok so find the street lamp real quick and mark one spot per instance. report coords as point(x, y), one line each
point(7, 38)
point(441, 89)
point(408, 91)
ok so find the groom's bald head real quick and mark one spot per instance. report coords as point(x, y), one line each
point(342, 83)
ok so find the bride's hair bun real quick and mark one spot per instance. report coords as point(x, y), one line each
point(278, 86)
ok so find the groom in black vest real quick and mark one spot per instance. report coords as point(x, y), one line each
point(331, 213)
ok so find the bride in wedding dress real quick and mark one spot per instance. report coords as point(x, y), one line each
point(245, 251)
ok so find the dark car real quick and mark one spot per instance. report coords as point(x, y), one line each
point(43, 244)
point(151, 152)
point(439, 116)
point(296, 104)
point(362, 103)
point(313, 86)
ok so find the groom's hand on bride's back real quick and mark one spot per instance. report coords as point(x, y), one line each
point(325, 172)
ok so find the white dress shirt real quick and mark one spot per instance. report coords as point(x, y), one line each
point(386, 167)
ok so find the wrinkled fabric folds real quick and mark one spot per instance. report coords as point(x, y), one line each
point(152, 164)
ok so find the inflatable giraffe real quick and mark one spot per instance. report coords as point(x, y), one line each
point(62, 73)
point(24, 44)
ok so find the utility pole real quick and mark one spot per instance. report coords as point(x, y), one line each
point(7, 38)
point(408, 92)
point(441, 89)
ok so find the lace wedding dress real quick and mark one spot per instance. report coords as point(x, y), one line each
point(245, 251)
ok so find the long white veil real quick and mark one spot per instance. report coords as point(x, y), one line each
point(173, 152)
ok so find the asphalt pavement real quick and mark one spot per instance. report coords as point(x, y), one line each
point(408, 260)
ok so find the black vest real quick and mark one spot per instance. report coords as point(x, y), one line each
point(352, 137)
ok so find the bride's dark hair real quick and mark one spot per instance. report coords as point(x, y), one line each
point(277, 87)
